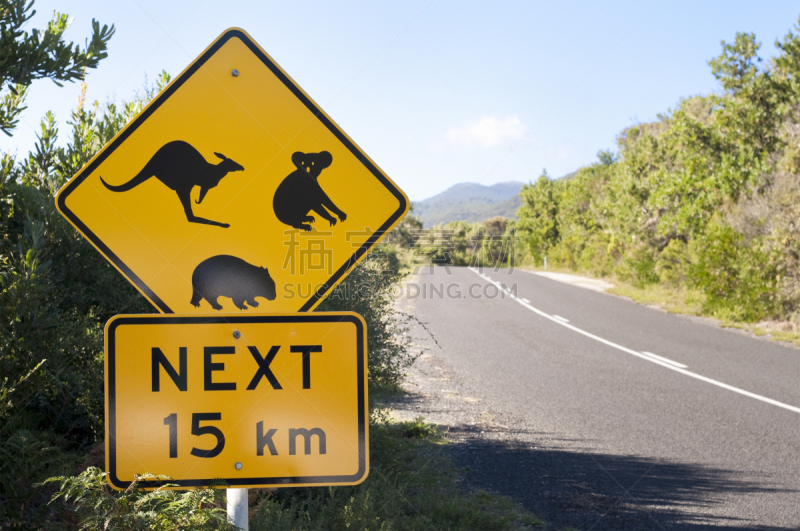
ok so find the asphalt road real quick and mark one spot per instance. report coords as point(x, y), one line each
point(705, 436)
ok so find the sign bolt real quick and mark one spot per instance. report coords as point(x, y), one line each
point(235, 73)
point(238, 466)
point(237, 334)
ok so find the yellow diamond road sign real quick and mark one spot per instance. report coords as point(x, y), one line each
point(233, 190)
point(256, 400)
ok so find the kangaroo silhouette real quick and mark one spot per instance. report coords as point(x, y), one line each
point(181, 167)
point(300, 193)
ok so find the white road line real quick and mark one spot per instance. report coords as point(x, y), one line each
point(643, 356)
point(525, 300)
point(561, 318)
point(665, 360)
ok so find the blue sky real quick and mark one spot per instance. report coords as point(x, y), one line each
point(439, 92)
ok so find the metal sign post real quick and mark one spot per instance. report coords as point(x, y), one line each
point(238, 509)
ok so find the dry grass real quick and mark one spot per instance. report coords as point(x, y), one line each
point(673, 300)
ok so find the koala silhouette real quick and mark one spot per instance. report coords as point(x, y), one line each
point(300, 193)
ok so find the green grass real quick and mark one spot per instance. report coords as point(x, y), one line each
point(412, 485)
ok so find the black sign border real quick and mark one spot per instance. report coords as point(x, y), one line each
point(282, 481)
point(159, 100)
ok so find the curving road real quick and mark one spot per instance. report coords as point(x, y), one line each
point(671, 421)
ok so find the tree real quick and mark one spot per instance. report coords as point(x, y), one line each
point(787, 64)
point(26, 57)
point(406, 232)
point(538, 215)
point(737, 65)
point(496, 226)
point(606, 157)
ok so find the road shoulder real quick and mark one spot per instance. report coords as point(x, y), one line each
point(507, 455)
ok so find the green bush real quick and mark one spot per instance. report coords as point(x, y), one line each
point(737, 277)
point(26, 458)
point(368, 291)
point(599, 255)
point(673, 263)
point(56, 293)
point(639, 266)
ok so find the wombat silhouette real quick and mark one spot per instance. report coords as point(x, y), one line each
point(300, 193)
point(181, 167)
point(229, 276)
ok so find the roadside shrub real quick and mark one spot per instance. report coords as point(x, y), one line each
point(56, 293)
point(639, 266)
point(673, 263)
point(27, 457)
point(368, 292)
point(738, 278)
point(564, 253)
point(599, 255)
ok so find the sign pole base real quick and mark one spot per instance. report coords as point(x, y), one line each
point(238, 508)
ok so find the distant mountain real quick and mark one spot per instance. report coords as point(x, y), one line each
point(470, 202)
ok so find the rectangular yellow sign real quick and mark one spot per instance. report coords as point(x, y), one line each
point(261, 400)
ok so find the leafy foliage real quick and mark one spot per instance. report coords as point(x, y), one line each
point(405, 233)
point(490, 243)
point(56, 293)
point(538, 216)
point(91, 505)
point(26, 57)
point(27, 457)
